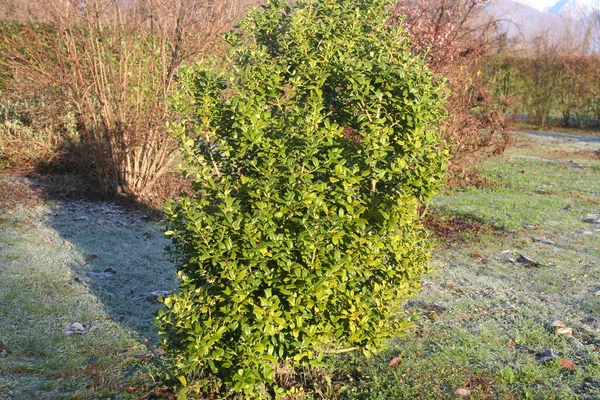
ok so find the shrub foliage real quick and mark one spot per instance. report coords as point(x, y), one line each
point(308, 163)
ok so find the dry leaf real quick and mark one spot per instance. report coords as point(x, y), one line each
point(395, 361)
point(568, 364)
point(512, 345)
point(462, 392)
point(68, 244)
point(564, 331)
point(527, 262)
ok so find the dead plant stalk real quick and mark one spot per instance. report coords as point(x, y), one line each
point(115, 63)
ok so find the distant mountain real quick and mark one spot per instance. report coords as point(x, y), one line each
point(569, 24)
point(574, 9)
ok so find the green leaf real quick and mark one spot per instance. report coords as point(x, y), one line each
point(284, 244)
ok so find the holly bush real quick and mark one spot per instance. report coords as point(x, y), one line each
point(308, 162)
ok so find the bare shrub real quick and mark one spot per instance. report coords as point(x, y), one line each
point(24, 140)
point(456, 42)
point(550, 88)
point(114, 63)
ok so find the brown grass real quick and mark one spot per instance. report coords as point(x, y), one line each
point(585, 154)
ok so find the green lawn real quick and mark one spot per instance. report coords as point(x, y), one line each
point(480, 320)
point(48, 258)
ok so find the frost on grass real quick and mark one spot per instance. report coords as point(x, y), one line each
point(51, 285)
point(498, 314)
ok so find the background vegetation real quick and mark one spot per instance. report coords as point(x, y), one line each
point(92, 79)
point(549, 89)
point(85, 84)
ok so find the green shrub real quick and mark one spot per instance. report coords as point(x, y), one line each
point(308, 163)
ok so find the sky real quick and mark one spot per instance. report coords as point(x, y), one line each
point(542, 4)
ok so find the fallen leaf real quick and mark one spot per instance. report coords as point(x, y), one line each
point(395, 361)
point(462, 392)
point(92, 256)
point(512, 345)
point(543, 241)
point(557, 324)
point(568, 364)
point(527, 262)
point(577, 344)
point(78, 280)
point(564, 330)
point(68, 244)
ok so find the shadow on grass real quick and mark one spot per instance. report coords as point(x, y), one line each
point(54, 263)
point(116, 246)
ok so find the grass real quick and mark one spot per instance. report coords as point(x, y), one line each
point(490, 316)
point(479, 321)
point(46, 256)
point(558, 127)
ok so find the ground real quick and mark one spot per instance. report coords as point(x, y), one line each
point(511, 259)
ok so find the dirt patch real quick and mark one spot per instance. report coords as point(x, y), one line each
point(484, 384)
point(454, 228)
point(169, 187)
point(27, 190)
